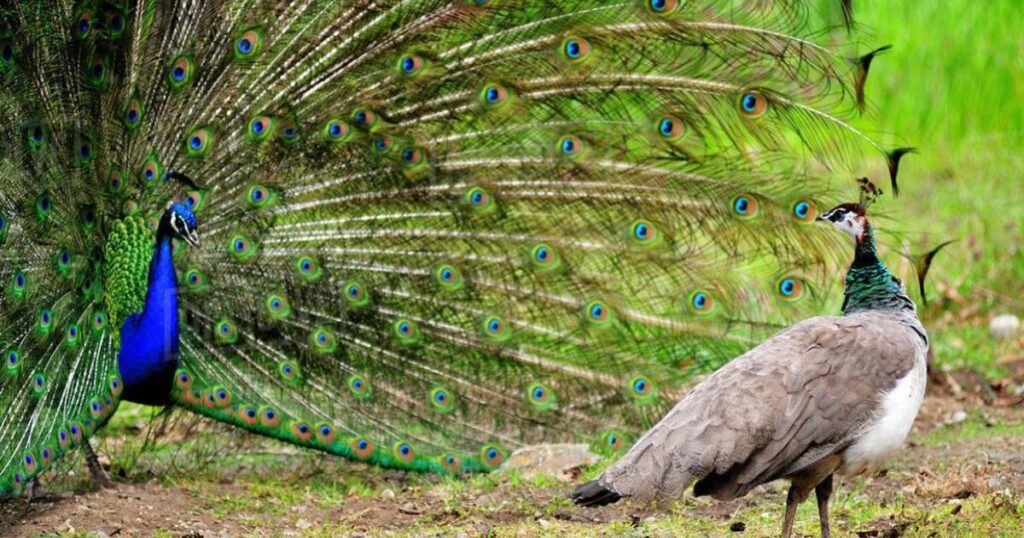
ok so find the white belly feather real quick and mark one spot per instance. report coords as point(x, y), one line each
point(887, 432)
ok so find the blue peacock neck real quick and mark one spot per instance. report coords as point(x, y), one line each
point(869, 284)
point(149, 350)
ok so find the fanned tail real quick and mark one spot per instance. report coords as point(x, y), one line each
point(432, 230)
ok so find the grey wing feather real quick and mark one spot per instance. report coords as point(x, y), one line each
point(796, 398)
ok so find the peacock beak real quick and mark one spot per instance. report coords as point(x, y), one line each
point(192, 239)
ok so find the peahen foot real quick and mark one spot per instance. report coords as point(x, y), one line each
point(100, 478)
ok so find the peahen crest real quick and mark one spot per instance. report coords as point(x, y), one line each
point(433, 230)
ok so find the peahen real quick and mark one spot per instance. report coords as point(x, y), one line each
point(827, 395)
point(418, 233)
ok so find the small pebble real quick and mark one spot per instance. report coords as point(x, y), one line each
point(958, 417)
point(1004, 327)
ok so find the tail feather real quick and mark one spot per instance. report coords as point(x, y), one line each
point(594, 494)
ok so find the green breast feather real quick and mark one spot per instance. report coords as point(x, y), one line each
point(127, 254)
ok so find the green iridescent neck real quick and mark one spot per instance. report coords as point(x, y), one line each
point(869, 284)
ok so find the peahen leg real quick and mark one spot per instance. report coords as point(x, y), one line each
point(823, 491)
point(99, 477)
point(798, 493)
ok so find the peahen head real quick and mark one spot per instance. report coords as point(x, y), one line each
point(180, 222)
point(850, 218)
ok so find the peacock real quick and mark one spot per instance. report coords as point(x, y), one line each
point(414, 233)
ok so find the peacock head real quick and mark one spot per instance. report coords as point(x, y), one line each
point(850, 218)
point(180, 222)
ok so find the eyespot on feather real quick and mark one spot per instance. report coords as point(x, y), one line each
point(752, 104)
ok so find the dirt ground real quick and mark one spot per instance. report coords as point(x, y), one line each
point(944, 470)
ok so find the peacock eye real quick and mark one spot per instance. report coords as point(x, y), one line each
point(244, 45)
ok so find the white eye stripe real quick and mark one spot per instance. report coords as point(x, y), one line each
point(177, 222)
